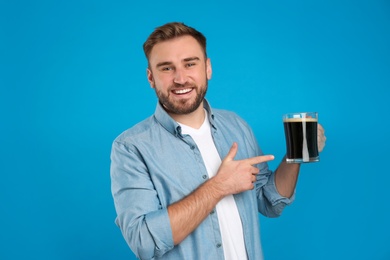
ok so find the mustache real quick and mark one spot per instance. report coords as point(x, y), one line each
point(185, 85)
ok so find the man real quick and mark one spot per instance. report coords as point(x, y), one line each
point(189, 181)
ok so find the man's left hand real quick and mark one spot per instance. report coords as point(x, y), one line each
point(321, 138)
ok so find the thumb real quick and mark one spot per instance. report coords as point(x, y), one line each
point(232, 152)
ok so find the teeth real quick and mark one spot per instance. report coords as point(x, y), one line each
point(182, 91)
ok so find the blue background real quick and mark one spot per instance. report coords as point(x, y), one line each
point(73, 76)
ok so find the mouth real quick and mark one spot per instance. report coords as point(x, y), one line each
point(181, 91)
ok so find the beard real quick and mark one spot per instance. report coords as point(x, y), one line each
point(182, 106)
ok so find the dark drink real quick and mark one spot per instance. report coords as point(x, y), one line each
point(301, 139)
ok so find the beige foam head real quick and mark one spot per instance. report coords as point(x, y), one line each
point(297, 120)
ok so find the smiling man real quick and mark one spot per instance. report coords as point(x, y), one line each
point(179, 71)
point(188, 182)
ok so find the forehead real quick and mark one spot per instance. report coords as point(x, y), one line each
point(175, 50)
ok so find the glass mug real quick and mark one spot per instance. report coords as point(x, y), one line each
point(300, 130)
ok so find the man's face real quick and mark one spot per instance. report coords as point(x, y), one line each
point(179, 73)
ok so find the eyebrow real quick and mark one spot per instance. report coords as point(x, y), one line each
point(167, 63)
point(191, 58)
point(164, 63)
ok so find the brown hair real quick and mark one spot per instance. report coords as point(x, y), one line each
point(170, 31)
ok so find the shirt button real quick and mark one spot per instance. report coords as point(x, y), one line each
point(192, 147)
point(219, 245)
point(204, 176)
point(212, 212)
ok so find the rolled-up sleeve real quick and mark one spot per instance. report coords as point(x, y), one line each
point(143, 221)
point(269, 202)
point(277, 202)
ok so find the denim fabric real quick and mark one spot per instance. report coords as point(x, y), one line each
point(154, 165)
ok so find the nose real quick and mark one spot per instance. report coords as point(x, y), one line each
point(180, 77)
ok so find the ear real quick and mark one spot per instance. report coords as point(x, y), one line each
point(150, 78)
point(209, 70)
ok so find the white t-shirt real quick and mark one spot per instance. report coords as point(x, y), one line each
point(228, 216)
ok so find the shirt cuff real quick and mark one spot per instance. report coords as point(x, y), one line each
point(160, 228)
point(272, 194)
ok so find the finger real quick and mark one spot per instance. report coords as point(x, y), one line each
point(254, 171)
point(321, 130)
point(321, 133)
point(260, 159)
point(321, 138)
point(321, 142)
point(232, 152)
point(253, 179)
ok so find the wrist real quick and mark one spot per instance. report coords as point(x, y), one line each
point(215, 188)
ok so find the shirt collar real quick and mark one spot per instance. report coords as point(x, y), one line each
point(171, 125)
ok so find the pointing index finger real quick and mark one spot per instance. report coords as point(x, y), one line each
point(260, 159)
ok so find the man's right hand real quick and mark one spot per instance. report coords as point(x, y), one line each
point(235, 176)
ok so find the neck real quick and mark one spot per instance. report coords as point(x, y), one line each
point(194, 119)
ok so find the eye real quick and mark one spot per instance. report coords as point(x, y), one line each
point(166, 68)
point(189, 65)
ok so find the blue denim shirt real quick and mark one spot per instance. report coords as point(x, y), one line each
point(154, 165)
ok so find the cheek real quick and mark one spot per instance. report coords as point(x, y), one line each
point(162, 82)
